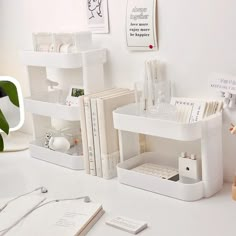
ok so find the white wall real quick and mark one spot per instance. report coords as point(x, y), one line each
point(195, 39)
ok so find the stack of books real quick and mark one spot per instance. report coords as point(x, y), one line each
point(191, 110)
point(100, 139)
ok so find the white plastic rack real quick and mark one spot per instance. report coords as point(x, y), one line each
point(43, 103)
point(209, 131)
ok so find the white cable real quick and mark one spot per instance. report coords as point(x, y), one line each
point(4, 231)
point(19, 220)
point(22, 195)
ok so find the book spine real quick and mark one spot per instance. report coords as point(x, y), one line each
point(109, 164)
point(89, 127)
point(96, 138)
point(102, 135)
point(84, 135)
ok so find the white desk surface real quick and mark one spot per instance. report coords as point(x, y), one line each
point(165, 216)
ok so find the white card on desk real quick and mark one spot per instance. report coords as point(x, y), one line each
point(127, 224)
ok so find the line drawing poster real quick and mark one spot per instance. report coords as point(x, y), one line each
point(97, 13)
point(141, 25)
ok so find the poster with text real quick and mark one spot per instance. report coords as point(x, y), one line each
point(141, 25)
point(97, 11)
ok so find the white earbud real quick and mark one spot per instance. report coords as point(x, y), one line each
point(44, 190)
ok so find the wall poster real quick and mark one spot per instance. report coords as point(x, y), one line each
point(141, 29)
point(97, 12)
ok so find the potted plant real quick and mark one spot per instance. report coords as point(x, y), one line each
point(7, 88)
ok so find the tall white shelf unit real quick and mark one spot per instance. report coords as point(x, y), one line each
point(43, 103)
point(209, 131)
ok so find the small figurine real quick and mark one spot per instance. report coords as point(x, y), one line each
point(233, 131)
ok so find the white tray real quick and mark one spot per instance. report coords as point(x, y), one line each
point(127, 118)
point(64, 60)
point(62, 159)
point(186, 192)
point(45, 104)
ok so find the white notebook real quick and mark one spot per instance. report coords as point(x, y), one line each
point(70, 218)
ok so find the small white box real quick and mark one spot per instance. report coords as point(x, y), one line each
point(190, 168)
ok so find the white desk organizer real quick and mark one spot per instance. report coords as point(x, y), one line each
point(208, 131)
point(43, 104)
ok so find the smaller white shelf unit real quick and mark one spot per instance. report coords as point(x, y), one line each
point(44, 105)
point(209, 131)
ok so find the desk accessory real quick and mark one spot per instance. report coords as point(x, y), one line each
point(225, 85)
point(62, 42)
point(42, 103)
point(189, 168)
point(75, 92)
point(208, 131)
point(129, 225)
point(160, 171)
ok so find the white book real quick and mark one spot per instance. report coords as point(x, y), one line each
point(96, 140)
point(108, 135)
point(195, 112)
point(84, 135)
point(89, 126)
point(70, 218)
point(96, 133)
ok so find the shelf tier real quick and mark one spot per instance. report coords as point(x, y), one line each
point(126, 118)
point(55, 110)
point(54, 157)
point(64, 60)
point(179, 190)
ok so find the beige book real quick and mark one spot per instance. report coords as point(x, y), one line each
point(89, 127)
point(107, 133)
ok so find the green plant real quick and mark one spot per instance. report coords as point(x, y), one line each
point(11, 91)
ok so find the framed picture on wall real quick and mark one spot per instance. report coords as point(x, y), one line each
point(97, 13)
point(141, 25)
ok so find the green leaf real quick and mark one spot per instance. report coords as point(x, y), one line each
point(3, 123)
point(1, 143)
point(11, 91)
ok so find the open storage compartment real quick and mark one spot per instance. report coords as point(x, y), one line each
point(130, 124)
point(38, 151)
point(47, 104)
point(176, 189)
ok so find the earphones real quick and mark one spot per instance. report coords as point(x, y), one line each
point(39, 205)
point(42, 189)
